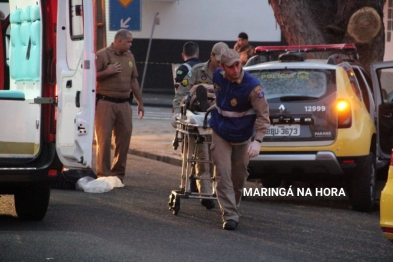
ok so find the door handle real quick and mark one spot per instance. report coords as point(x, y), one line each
point(78, 99)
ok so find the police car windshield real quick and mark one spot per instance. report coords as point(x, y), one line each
point(290, 83)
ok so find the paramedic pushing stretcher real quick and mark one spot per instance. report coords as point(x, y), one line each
point(241, 108)
point(116, 77)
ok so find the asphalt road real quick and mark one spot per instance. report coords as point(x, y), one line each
point(133, 223)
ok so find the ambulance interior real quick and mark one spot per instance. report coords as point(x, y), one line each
point(47, 96)
point(21, 70)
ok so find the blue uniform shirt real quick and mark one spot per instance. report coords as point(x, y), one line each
point(234, 118)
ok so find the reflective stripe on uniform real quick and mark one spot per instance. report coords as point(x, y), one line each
point(235, 114)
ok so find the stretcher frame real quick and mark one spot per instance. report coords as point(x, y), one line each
point(188, 125)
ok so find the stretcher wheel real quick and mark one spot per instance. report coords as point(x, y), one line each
point(170, 202)
point(175, 143)
point(176, 205)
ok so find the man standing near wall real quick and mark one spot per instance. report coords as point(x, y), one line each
point(116, 77)
point(244, 49)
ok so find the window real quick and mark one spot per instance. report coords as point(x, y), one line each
point(364, 84)
point(76, 14)
point(386, 78)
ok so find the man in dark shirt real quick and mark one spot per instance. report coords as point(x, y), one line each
point(191, 57)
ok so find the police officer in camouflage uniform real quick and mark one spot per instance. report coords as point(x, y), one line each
point(200, 74)
point(190, 56)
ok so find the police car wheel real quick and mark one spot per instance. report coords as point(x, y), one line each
point(362, 185)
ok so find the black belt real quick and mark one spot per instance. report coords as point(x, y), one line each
point(111, 99)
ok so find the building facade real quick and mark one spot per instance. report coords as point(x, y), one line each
point(388, 23)
point(173, 22)
point(203, 21)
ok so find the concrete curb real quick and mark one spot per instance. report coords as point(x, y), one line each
point(154, 104)
point(166, 159)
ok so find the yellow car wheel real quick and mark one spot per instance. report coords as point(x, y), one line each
point(362, 185)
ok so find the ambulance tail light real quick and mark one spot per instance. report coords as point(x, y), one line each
point(52, 173)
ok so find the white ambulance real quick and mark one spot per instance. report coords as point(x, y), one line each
point(47, 96)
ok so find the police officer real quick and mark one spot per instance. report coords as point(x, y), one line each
point(241, 108)
point(116, 77)
point(200, 74)
point(190, 57)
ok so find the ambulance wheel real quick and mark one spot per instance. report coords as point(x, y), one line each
point(31, 203)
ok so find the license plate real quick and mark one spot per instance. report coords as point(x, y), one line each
point(283, 130)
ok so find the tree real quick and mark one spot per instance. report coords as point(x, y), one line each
point(334, 21)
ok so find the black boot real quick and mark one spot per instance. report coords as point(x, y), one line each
point(208, 203)
point(201, 96)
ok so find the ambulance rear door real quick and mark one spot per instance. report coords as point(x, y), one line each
point(76, 82)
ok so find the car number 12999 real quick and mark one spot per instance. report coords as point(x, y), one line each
point(283, 130)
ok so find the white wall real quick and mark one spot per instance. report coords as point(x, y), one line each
point(388, 45)
point(212, 20)
point(4, 7)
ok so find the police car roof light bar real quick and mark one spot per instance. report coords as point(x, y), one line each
point(306, 48)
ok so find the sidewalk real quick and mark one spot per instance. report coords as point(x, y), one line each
point(156, 99)
point(153, 139)
point(155, 146)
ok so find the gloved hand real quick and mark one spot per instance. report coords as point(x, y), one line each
point(254, 149)
point(174, 118)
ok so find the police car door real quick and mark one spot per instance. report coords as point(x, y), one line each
point(76, 80)
point(382, 78)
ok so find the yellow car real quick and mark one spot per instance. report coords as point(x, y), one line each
point(382, 74)
point(329, 118)
point(386, 205)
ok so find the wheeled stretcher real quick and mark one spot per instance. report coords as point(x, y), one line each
point(192, 131)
